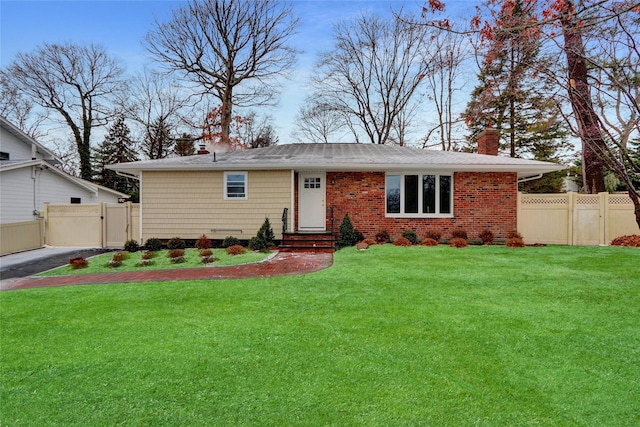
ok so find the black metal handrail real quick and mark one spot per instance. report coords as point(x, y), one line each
point(332, 219)
point(285, 220)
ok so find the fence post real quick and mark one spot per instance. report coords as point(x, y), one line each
point(46, 221)
point(103, 224)
point(571, 212)
point(603, 202)
point(519, 212)
point(129, 224)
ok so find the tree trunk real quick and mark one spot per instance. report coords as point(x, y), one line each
point(580, 97)
point(226, 114)
point(636, 205)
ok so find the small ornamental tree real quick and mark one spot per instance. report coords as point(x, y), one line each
point(348, 235)
point(266, 234)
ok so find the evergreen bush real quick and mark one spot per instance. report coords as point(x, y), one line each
point(153, 244)
point(131, 246)
point(411, 236)
point(230, 241)
point(348, 235)
point(176, 243)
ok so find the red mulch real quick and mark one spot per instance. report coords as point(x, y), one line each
point(633, 240)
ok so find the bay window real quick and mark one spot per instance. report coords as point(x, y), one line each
point(419, 195)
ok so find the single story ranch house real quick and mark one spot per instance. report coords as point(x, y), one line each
point(311, 187)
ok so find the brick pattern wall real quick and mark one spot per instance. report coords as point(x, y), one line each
point(481, 201)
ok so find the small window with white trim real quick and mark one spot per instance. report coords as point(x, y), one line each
point(419, 195)
point(235, 185)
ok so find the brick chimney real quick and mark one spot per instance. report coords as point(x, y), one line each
point(202, 149)
point(488, 142)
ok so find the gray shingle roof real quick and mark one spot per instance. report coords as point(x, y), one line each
point(343, 157)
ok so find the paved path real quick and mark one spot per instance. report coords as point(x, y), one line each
point(281, 264)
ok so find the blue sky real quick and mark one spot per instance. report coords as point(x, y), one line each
point(121, 26)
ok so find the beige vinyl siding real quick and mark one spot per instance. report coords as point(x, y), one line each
point(188, 204)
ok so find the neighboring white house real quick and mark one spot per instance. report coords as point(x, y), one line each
point(29, 178)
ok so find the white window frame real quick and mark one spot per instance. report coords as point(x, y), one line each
point(402, 214)
point(246, 185)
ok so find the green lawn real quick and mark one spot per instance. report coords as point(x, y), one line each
point(481, 336)
point(100, 263)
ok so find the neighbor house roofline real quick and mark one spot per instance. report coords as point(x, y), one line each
point(22, 136)
point(6, 166)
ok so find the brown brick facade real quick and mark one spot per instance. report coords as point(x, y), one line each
point(481, 201)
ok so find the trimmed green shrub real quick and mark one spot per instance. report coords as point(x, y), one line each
point(411, 236)
point(257, 244)
point(230, 241)
point(131, 246)
point(153, 244)
point(176, 243)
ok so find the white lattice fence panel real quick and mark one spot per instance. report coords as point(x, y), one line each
point(543, 218)
point(621, 220)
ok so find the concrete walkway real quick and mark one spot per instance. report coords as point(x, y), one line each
point(280, 264)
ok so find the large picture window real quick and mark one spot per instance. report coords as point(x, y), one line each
point(235, 185)
point(419, 194)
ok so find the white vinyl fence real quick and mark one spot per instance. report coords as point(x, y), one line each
point(575, 219)
point(103, 225)
point(21, 236)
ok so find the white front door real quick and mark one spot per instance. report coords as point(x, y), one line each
point(311, 201)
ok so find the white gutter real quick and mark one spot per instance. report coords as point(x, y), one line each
point(126, 175)
point(529, 178)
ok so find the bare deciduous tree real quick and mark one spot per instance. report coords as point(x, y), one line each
point(17, 109)
point(443, 83)
point(373, 72)
point(233, 49)
point(159, 105)
point(79, 82)
point(317, 122)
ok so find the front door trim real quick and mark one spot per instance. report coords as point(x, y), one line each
point(312, 194)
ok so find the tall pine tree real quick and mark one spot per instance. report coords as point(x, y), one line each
point(513, 99)
point(117, 147)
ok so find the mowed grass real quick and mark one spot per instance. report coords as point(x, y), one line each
point(100, 263)
point(480, 336)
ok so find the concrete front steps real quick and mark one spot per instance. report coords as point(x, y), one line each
point(308, 242)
